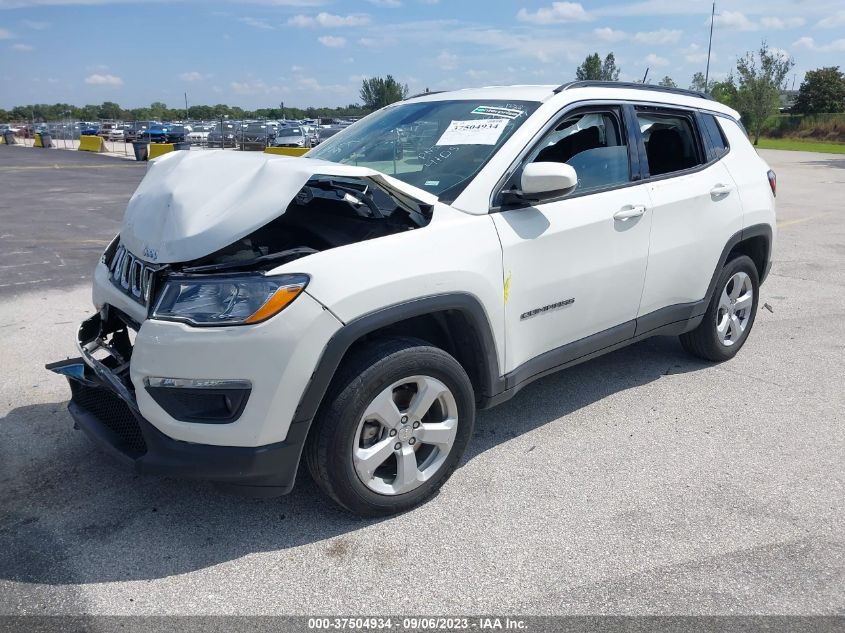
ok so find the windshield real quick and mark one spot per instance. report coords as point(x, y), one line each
point(291, 131)
point(438, 146)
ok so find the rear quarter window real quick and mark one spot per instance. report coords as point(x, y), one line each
point(714, 137)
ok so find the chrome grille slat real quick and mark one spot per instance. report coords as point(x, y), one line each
point(132, 275)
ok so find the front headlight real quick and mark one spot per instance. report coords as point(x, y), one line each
point(227, 299)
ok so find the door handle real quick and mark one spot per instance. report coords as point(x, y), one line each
point(720, 190)
point(626, 213)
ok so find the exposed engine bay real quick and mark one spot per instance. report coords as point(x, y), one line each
point(328, 212)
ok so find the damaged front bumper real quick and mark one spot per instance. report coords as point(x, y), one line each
point(104, 406)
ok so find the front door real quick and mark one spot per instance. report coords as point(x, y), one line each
point(574, 267)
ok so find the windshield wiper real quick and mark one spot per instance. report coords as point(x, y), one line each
point(301, 251)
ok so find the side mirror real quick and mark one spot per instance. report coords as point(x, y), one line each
point(547, 180)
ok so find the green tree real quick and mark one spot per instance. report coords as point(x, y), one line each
point(760, 78)
point(378, 92)
point(594, 69)
point(724, 91)
point(109, 110)
point(823, 90)
point(698, 83)
point(158, 110)
point(668, 82)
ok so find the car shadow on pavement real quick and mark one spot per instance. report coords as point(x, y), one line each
point(68, 515)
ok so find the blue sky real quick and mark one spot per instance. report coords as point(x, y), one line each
point(258, 53)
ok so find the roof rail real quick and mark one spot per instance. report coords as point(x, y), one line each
point(630, 85)
point(423, 94)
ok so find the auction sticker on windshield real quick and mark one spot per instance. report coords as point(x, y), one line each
point(508, 113)
point(477, 132)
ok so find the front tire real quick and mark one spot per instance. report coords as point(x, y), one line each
point(392, 428)
point(730, 314)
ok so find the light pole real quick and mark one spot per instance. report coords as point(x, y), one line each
point(709, 48)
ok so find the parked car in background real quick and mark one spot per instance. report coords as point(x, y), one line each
point(326, 132)
point(222, 136)
point(199, 134)
point(177, 133)
point(292, 137)
point(115, 134)
point(310, 134)
point(155, 134)
point(136, 128)
point(105, 128)
point(89, 129)
point(256, 136)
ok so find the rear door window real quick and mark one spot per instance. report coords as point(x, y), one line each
point(670, 141)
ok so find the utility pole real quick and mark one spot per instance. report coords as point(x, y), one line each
point(186, 107)
point(709, 48)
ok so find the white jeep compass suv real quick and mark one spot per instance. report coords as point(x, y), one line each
point(357, 305)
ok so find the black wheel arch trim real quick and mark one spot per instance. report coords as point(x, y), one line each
point(468, 305)
point(755, 230)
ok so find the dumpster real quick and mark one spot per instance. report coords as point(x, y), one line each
point(181, 146)
point(141, 150)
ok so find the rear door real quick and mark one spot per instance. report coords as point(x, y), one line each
point(575, 266)
point(696, 209)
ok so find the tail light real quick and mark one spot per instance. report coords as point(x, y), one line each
point(773, 182)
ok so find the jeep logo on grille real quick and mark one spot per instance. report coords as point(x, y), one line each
point(132, 275)
point(150, 253)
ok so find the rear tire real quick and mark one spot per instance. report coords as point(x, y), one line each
point(398, 392)
point(730, 314)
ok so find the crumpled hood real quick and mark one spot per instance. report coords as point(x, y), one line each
point(191, 204)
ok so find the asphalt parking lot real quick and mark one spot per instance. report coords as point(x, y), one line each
point(644, 482)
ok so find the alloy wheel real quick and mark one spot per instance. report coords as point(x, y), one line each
point(405, 435)
point(734, 309)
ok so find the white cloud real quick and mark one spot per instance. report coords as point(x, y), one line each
point(607, 34)
point(696, 54)
point(329, 20)
point(253, 87)
point(836, 46)
point(447, 61)
point(5, 34)
point(257, 23)
point(103, 80)
point(191, 76)
point(778, 24)
point(332, 41)
point(35, 26)
point(558, 13)
point(733, 20)
point(22, 48)
point(388, 4)
point(314, 86)
point(832, 21)
point(655, 60)
point(662, 36)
